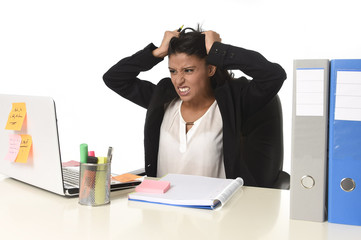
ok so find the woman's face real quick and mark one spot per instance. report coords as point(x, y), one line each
point(191, 77)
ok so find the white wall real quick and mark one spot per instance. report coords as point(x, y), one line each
point(62, 48)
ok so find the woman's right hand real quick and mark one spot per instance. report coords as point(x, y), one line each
point(211, 37)
point(162, 50)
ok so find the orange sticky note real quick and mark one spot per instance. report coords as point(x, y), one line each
point(16, 117)
point(14, 147)
point(25, 146)
point(153, 186)
point(126, 177)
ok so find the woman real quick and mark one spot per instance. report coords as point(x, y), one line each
point(194, 118)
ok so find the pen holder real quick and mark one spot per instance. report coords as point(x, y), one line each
point(94, 184)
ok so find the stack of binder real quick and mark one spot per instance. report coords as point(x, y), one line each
point(326, 140)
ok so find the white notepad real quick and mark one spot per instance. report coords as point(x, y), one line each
point(192, 191)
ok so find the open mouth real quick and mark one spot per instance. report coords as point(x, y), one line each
point(183, 90)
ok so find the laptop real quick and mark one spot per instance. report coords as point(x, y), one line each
point(43, 168)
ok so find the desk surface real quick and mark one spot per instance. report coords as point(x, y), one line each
point(27, 212)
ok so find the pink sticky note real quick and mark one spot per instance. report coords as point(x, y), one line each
point(14, 147)
point(71, 163)
point(153, 186)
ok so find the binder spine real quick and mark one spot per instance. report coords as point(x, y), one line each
point(309, 140)
point(344, 190)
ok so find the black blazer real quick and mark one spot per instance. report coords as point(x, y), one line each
point(240, 102)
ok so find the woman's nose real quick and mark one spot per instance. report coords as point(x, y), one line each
point(180, 79)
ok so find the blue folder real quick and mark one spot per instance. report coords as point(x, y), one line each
point(344, 187)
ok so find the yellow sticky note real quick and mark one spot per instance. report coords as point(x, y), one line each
point(16, 117)
point(25, 146)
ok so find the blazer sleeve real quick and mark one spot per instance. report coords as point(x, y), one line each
point(267, 77)
point(123, 79)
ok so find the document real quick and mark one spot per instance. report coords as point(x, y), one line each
point(193, 191)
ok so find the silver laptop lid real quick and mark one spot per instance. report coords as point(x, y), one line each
point(43, 166)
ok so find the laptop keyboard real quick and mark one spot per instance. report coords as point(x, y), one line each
point(71, 176)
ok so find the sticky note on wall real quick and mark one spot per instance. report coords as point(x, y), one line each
point(25, 147)
point(16, 117)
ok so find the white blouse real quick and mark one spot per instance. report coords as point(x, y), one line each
point(198, 152)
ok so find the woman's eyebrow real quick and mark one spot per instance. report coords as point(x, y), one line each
point(183, 67)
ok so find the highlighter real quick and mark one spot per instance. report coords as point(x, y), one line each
point(87, 175)
point(83, 152)
point(180, 29)
point(102, 160)
point(87, 184)
point(100, 181)
point(93, 160)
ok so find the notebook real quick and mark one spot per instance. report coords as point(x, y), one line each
point(192, 191)
point(43, 167)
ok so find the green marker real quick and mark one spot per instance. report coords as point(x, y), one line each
point(83, 152)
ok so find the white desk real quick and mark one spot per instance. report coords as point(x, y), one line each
point(27, 212)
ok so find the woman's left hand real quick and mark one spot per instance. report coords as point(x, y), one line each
point(210, 38)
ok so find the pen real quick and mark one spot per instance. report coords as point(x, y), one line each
point(110, 154)
point(180, 29)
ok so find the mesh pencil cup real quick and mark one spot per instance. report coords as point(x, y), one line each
point(94, 184)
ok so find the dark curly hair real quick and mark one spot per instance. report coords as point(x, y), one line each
point(192, 42)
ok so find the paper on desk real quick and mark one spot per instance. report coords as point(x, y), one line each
point(16, 117)
point(14, 147)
